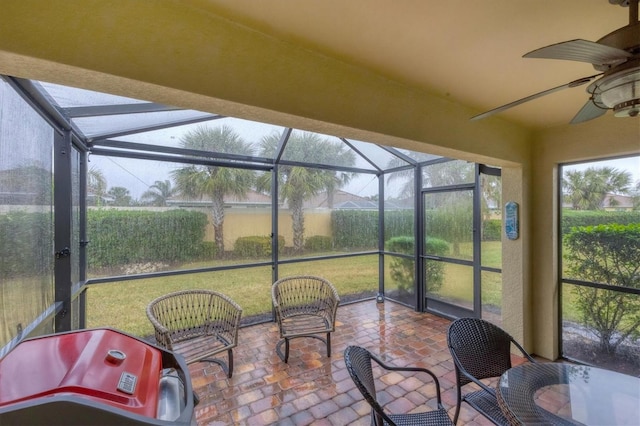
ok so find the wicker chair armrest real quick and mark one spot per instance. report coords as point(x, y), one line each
point(471, 378)
point(415, 370)
point(162, 333)
point(522, 350)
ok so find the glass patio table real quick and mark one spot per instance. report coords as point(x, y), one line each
point(568, 394)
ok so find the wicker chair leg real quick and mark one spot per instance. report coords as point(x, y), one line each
point(328, 345)
point(458, 403)
point(228, 369)
point(286, 350)
point(230, 353)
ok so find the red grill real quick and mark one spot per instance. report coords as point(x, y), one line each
point(98, 376)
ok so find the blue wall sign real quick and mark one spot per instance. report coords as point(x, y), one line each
point(511, 220)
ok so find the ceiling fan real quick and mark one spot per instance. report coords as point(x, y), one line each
point(616, 55)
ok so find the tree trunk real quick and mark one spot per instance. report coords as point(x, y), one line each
point(297, 219)
point(217, 218)
point(330, 198)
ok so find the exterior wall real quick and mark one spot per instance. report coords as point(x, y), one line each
point(251, 222)
point(515, 255)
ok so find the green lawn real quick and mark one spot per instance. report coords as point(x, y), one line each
point(122, 305)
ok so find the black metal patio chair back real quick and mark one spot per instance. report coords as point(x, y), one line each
point(480, 350)
point(359, 364)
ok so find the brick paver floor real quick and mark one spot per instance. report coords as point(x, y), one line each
point(315, 390)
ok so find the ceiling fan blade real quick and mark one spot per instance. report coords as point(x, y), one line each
point(574, 83)
point(582, 51)
point(588, 112)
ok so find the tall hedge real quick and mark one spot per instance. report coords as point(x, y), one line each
point(573, 218)
point(26, 243)
point(120, 237)
point(354, 229)
point(358, 229)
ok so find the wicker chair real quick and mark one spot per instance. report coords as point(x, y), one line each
point(197, 324)
point(359, 364)
point(480, 350)
point(305, 306)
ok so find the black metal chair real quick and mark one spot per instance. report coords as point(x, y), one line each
point(359, 365)
point(480, 350)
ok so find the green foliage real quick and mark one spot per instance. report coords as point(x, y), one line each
point(355, 229)
point(587, 189)
point(451, 224)
point(26, 243)
point(211, 181)
point(572, 218)
point(492, 230)
point(256, 246)
point(120, 237)
point(402, 244)
point(208, 250)
point(402, 269)
point(398, 222)
point(358, 229)
point(318, 243)
point(297, 184)
point(607, 254)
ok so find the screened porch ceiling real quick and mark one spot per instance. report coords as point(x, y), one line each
point(111, 123)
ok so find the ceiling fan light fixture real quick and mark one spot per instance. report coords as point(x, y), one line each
point(627, 109)
point(619, 91)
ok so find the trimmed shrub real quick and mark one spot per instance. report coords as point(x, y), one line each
point(255, 246)
point(606, 254)
point(208, 250)
point(318, 243)
point(402, 269)
point(573, 218)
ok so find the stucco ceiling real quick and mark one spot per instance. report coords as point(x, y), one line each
point(468, 51)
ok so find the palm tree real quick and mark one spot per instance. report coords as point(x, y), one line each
point(215, 182)
point(635, 196)
point(587, 190)
point(158, 193)
point(121, 196)
point(96, 184)
point(297, 183)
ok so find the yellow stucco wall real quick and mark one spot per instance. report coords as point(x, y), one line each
point(251, 222)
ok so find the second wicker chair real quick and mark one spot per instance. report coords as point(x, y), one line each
point(305, 306)
point(480, 350)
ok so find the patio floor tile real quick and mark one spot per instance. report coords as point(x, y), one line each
point(315, 390)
